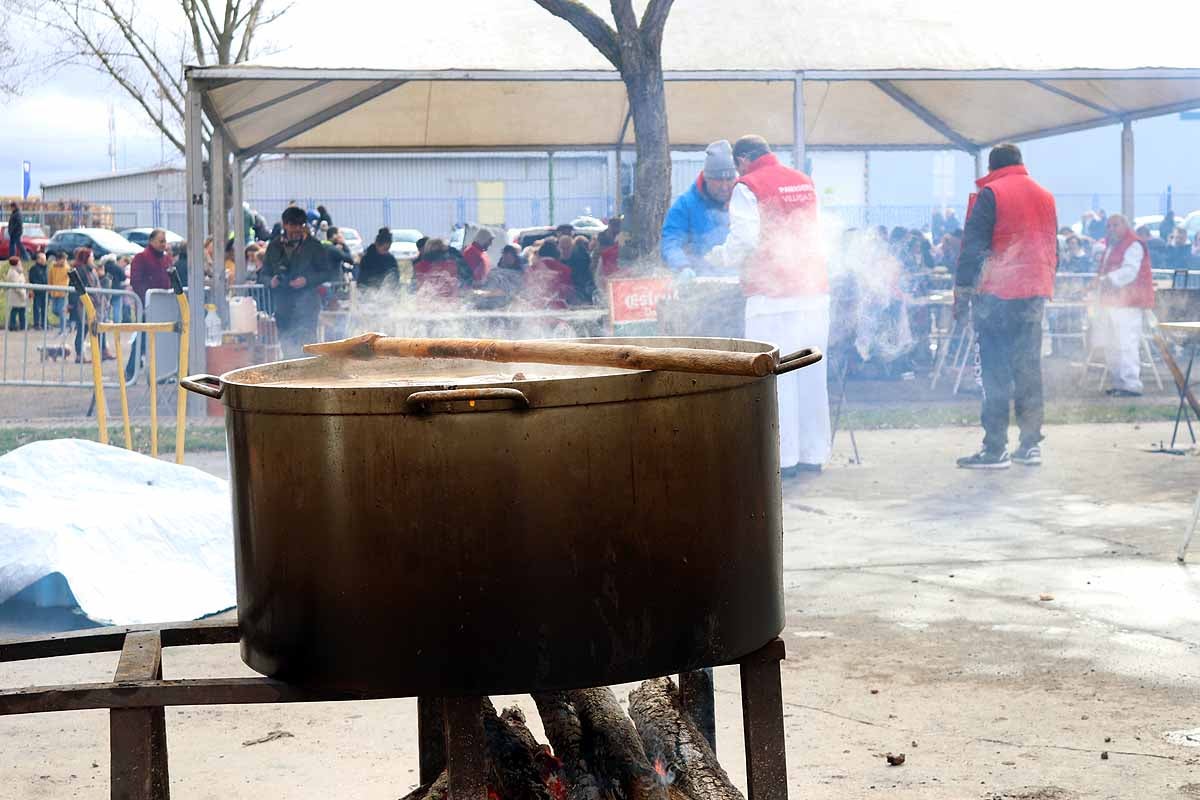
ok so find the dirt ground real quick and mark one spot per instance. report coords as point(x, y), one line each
point(1003, 630)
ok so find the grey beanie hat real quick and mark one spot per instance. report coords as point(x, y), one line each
point(718, 161)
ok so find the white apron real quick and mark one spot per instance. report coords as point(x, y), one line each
point(1121, 334)
point(793, 323)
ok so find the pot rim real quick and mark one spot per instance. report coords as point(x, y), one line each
point(598, 385)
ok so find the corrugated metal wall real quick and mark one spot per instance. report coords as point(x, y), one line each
point(431, 193)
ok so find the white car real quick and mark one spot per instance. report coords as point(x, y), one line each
point(404, 243)
point(353, 239)
point(140, 236)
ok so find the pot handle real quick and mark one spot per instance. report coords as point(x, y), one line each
point(207, 385)
point(468, 395)
point(801, 358)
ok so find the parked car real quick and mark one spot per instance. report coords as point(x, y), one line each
point(140, 236)
point(1191, 224)
point(523, 237)
point(33, 239)
point(353, 239)
point(101, 240)
point(404, 243)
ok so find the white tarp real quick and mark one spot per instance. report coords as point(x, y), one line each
point(137, 539)
point(874, 74)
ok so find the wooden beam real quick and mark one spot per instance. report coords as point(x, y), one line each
point(465, 748)
point(138, 736)
point(431, 738)
point(111, 639)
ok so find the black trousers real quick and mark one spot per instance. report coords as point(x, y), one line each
point(16, 318)
point(39, 309)
point(1010, 354)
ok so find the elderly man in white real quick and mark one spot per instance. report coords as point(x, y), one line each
point(1126, 288)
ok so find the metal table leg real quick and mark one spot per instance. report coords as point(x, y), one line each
point(465, 746)
point(762, 714)
point(1183, 412)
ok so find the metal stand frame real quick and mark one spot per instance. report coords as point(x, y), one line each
point(450, 729)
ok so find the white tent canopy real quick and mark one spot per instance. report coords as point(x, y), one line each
point(282, 110)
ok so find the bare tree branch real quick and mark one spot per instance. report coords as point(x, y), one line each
point(622, 11)
point(654, 22)
point(584, 20)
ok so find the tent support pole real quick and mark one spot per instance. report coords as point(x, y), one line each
point(194, 173)
point(798, 155)
point(239, 224)
point(550, 184)
point(1127, 169)
point(218, 225)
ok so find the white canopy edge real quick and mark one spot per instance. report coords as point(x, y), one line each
point(298, 110)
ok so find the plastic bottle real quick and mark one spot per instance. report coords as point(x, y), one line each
point(212, 326)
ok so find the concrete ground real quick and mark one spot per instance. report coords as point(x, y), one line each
point(1002, 630)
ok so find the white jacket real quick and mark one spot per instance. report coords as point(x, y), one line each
point(16, 297)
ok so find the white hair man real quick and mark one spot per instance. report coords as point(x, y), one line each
point(1126, 288)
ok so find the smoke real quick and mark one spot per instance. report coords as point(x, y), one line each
point(870, 310)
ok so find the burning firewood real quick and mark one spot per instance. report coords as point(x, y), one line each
point(512, 756)
point(616, 750)
point(676, 745)
point(565, 732)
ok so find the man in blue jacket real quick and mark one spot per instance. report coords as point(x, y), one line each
point(699, 220)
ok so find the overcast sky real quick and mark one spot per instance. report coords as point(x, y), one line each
point(60, 121)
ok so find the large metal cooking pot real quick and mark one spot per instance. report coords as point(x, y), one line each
point(462, 527)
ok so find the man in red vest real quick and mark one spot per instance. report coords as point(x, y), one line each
point(476, 255)
point(774, 241)
point(1006, 274)
point(1126, 290)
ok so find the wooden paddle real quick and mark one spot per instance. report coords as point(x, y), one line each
point(667, 359)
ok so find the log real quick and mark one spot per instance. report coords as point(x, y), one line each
point(668, 734)
point(512, 756)
point(437, 790)
point(669, 359)
point(565, 732)
point(617, 753)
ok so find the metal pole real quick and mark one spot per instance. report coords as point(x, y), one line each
point(218, 225)
point(866, 187)
point(980, 164)
point(194, 160)
point(1127, 169)
point(798, 157)
point(550, 182)
point(239, 224)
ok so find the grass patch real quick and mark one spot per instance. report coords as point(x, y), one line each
point(199, 439)
point(968, 416)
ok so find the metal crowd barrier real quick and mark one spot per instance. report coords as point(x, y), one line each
point(260, 293)
point(96, 327)
point(45, 357)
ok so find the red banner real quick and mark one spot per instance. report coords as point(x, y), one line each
point(636, 299)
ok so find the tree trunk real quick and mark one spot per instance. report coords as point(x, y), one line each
point(652, 175)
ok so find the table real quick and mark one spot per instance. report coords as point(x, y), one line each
point(1189, 332)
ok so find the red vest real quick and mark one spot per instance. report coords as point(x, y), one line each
point(477, 259)
point(1024, 252)
point(1139, 293)
point(789, 261)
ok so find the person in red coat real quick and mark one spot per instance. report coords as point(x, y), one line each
point(476, 256)
point(1126, 289)
point(1005, 275)
point(438, 273)
point(548, 282)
